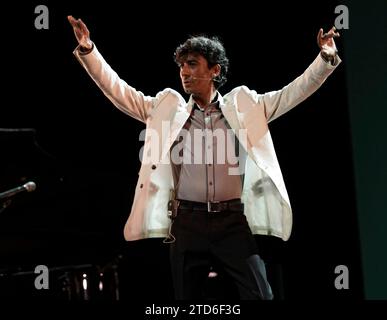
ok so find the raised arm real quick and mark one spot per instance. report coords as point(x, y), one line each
point(124, 97)
point(278, 102)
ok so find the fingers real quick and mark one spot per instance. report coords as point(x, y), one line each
point(331, 34)
point(320, 33)
point(79, 27)
point(335, 34)
point(71, 20)
point(319, 36)
point(75, 23)
point(82, 26)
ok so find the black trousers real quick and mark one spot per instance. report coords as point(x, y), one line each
point(223, 238)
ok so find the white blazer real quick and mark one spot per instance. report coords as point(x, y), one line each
point(266, 201)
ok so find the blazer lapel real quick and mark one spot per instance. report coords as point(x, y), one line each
point(229, 111)
point(172, 129)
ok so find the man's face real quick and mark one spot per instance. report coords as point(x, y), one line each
point(195, 75)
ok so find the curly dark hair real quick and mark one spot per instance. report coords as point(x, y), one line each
point(211, 49)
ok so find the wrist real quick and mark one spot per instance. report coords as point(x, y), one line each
point(329, 57)
point(87, 48)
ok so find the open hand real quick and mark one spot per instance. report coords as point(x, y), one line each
point(326, 41)
point(81, 32)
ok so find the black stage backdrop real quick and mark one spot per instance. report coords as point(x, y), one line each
point(83, 153)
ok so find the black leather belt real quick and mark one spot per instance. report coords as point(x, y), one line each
point(211, 207)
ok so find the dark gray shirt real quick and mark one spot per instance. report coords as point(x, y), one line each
point(205, 160)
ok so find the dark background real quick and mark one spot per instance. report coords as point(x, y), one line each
point(83, 153)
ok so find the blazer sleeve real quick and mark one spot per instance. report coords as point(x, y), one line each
point(276, 103)
point(124, 97)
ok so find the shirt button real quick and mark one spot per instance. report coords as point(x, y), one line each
point(210, 183)
point(141, 185)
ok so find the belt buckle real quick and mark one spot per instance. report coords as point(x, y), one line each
point(210, 208)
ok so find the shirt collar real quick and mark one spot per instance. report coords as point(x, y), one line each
point(214, 105)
